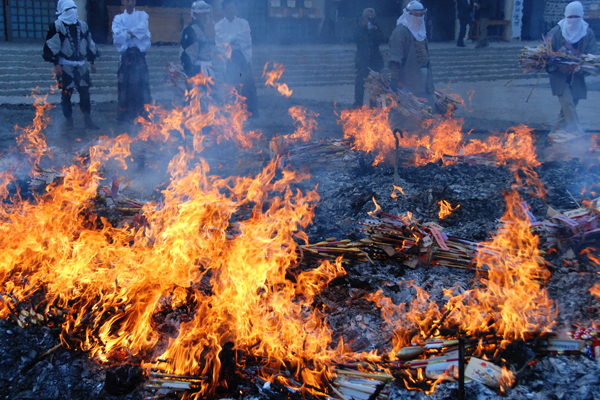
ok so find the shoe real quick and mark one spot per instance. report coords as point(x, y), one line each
point(460, 44)
point(89, 124)
point(69, 123)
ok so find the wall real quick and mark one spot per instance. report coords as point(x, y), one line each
point(554, 10)
point(81, 9)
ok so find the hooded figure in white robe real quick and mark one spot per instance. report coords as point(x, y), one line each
point(409, 61)
point(572, 34)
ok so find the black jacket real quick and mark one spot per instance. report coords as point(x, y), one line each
point(367, 47)
point(464, 9)
point(487, 8)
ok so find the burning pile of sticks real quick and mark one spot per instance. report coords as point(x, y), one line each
point(561, 230)
point(402, 101)
point(538, 58)
point(407, 103)
point(327, 153)
point(409, 241)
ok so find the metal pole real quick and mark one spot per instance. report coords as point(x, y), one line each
point(461, 368)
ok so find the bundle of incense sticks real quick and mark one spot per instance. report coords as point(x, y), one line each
point(351, 383)
point(402, 100)
point(538, 58)
point(176, 77)
point(162, 383)
point(331, 249)
point(445, 104)
point(561, 229)
point(326, 152)
point(404, 238)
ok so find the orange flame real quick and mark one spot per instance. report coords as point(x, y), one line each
point(595, 290)
point(510, 301)
point(371, 133)
point(274, 75)
point(305, 123)
point(227, 120)
point(445, 209)
point(31, 140)
point(399, 189)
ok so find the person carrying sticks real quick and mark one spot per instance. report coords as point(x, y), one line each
point(131, 37)
point(572, 35)
point(68, 45)
point(368, 56)
point(409, 62)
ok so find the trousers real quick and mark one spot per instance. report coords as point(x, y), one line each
point(568, 119)
point(84, 101)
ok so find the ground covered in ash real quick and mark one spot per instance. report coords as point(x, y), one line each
point(347, 194)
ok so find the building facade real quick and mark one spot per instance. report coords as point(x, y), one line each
point(289, 21)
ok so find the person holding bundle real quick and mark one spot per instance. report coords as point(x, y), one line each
point(409, 61)
point(573, 35)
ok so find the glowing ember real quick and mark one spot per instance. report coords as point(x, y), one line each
point(445, 209)
point(273, 76)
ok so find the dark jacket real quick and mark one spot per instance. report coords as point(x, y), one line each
point(487, 8)
point(558, 80)
point(195, 46)
point(58, 43)
point(463, 10)
point(367, 48)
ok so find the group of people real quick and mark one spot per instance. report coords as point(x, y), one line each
point(69, 46)
point(410, 65)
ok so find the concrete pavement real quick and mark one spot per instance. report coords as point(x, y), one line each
point(326, 73)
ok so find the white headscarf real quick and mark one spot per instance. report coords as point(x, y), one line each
point(68, 17)
point(415, 24)
point(573, 29)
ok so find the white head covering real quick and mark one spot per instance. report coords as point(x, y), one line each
point(68, 17)
point(200, 7)
point(573, 29)
point(415, 24)
point(368, 11)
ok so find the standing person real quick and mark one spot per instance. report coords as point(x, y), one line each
point(409, 59)
point(195, 50)
point(68, 44)
point(463, 13)
point(368, 38)
point(131, 37)
point(232, 36)
point(573, 35)
point(486, 10)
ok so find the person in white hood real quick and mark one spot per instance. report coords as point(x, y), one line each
point(68, 46)
point(409, 60)
point(572, 35)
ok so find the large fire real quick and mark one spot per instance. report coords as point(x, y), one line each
point(195, 279)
